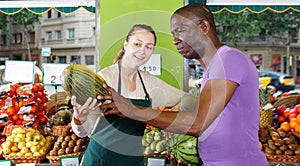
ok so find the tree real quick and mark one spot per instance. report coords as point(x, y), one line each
point(26, 19)
point(233, 28)
point(3, 23)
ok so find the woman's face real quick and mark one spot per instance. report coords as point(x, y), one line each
point(139, 48)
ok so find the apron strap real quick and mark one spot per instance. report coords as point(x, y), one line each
point(147, 96)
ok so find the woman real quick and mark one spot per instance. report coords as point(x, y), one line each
point(117, 140)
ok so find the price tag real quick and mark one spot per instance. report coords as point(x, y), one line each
point(19, 71)
point(156, 161)
point(25, 164)
point(69, 161)
point(153, 65)
point(5, 162)
point(52, 73)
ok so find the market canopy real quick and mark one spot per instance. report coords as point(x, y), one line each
point(254, 6)
point(42, 6)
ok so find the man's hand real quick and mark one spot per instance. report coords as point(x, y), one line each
point(81, 111)
point(119, 105)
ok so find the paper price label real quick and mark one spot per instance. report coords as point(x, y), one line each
point(69, 161)
point(5, 162)
point(52, 73)
point(19, 71)
point(25, 164)
point(153, 65)
point(153, 161)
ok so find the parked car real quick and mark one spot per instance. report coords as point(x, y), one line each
point(281, 82)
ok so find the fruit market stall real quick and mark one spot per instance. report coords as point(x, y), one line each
point(279, 132)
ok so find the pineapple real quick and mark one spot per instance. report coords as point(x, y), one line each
point(265, 108)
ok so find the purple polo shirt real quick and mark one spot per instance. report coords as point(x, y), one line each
point(232, 139)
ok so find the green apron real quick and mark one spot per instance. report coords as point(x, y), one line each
point(117, 141)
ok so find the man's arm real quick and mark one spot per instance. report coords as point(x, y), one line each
point(212, 100)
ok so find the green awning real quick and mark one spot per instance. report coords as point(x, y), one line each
point(252, 8)
point(42, 10)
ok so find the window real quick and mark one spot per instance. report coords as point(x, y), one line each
point(49, 35)
point(58, 35)
point(58, 14)
point(75, 59)
point(49, 13)
point(62, 59)
point(89, 60)
point(3, 40)
point(71, 33)
point(31, 37)
point(17, 38)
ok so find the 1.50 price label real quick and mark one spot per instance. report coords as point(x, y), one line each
point(153, 65)
point(52, 73)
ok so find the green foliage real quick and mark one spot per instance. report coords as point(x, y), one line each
point(3, 23)
point(232, 28)
point(25, 18)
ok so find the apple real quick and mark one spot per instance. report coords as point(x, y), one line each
point(286, 113)
point(281, 109)
point(21, 145)
point(34, 149)
point(293, 113)
point(297, 108)
point(24, 150)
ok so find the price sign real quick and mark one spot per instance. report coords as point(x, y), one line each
point(156, 161)
point(19, 71)
point(5, 162)
point(153, 65)
point(52, 73)
point(25, 164)
point(69, 161)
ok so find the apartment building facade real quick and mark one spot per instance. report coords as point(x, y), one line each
point(71, 38)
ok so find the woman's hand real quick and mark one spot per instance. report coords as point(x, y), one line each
point(119, 105)
point(81, 111)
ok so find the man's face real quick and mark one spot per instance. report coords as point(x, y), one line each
point(187, 36)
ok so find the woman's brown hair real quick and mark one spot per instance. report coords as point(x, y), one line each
point(135, 28)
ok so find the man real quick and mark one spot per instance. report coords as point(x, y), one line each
point(226, 118)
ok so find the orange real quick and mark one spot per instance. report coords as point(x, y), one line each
point(298, 118)
point(285, 126)
point(293, 122)
point(297, 128)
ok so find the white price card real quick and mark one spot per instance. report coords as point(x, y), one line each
point(153, 65)
point(25, 164)
point(19, 71)
point(156, 161)
point(69, 161)
point(5, 162)
point(52, 73)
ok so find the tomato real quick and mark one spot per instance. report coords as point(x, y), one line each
point(17, 108)
point(34, 109)
point(21, 117)
point(44, 99)
point(43, 119)
point(21, 103)
point(38, 101)
point(285, 94)
point(11, 111)
point(35, 88)
point(15, 117)
point(18, 122)
point(36, 122)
